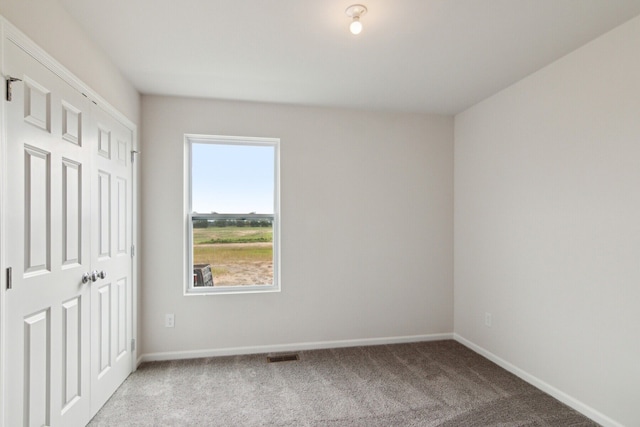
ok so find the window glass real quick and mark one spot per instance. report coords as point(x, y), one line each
point(232, 178)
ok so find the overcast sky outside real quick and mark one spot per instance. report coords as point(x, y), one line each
point(232, 178)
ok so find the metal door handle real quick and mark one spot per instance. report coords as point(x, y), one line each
point(93, 276)
point(86, 277)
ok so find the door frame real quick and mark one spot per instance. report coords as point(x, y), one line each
point(9, 33)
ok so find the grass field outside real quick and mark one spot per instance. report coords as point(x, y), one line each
point(237, 255)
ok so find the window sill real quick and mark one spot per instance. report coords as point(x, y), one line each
point(229, 290)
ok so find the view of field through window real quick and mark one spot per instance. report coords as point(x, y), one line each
point(235, 181)
point(237, 252)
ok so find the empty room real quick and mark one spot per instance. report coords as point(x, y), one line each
point(320, 213)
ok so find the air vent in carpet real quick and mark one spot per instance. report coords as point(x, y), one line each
point(283, 358)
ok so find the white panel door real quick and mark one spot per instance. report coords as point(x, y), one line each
point(48, 241)
point(69, 213)
point(111, 296)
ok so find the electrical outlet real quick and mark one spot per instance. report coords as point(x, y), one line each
point(487, 320)
point(169, 320)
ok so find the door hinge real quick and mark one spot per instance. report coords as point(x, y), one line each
point(9, 278)
point(133, 344)
point(8, 81)
point(133, 251)
point(133, 155)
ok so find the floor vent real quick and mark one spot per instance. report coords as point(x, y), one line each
point(283, 358)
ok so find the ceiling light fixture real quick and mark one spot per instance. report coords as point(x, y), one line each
point(354, 12)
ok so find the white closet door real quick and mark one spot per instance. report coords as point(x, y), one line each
point(48, 241)
point(69, 217)
point(111, 296)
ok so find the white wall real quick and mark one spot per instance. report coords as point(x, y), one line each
point(49, 25)
point(547, 224)
point(367, 232)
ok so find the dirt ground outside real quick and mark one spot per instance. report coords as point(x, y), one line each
point(237, 264)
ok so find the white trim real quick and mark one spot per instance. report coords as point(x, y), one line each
point(3, 264)
point(563, 397)
point(318, 345)
point(229, 140)
point(188, 289)
point(231, 290)
point(135, 172)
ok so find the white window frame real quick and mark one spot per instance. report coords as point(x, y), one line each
point(189, 289)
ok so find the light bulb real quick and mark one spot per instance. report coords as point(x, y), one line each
point(355, 11)
point(356, 26)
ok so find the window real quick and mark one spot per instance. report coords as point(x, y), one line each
point(232, 214)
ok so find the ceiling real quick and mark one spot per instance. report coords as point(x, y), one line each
point(438, 56)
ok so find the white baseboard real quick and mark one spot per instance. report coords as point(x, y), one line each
point(236, 351)
point(563, 397)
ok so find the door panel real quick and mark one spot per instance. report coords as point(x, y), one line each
point(71, 352)
point(104, 214)
point(71, 212)
point(37, 184)
point(37, 368)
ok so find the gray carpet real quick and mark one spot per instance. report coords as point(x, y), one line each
point(423, 384)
